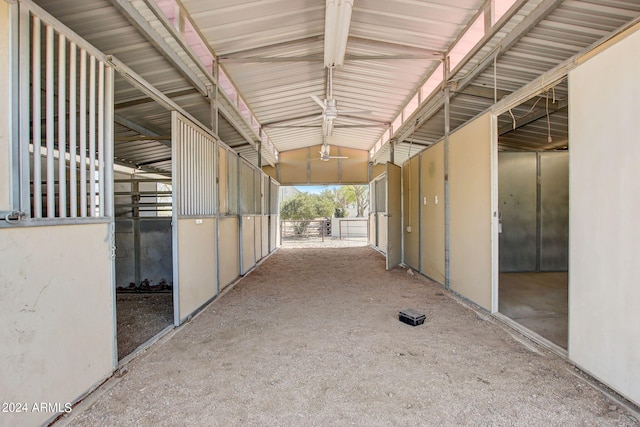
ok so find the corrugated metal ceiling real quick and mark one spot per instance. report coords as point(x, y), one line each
point(273, 52)
point(253, 39)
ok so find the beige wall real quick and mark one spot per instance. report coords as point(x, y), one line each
point(271, 171)
point(56, 308)
point(222, 179)
point(274, 230)
point(381, 233)
point(265, 236)
point(228, 245)
point(5, 108)
point(354, 169)
point(377, 170)
point(323, 172)
point(604, 182)
point(248, 243)
point(432, 214)
point(411, 203)
point(196, 264)
point(257, 237)
point(470, 216)
point(294, 166)
point(303, 167)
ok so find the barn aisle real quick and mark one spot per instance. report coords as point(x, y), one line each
point(312, 337)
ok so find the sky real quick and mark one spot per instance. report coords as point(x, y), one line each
point(315, 189)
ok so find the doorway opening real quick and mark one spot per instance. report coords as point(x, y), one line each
point(533, 199)
point(143, 203)
point(324, 216)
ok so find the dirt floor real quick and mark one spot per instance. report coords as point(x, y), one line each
point(140, 317)
point(312, 337)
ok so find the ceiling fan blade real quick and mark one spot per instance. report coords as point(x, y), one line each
point(318, 101)
point(355, 111)
point(304, 119)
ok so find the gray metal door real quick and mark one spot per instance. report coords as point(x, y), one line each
point(394, 215)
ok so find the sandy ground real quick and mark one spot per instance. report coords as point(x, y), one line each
point(312, 337)
point(140, 317)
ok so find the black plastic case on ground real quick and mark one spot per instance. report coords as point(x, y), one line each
point(411, 317)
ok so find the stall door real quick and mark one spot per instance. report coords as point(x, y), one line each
point(394, 215)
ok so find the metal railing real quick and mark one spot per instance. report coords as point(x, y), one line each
point(291, 230)
point(66, 116)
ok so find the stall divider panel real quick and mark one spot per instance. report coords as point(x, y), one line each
point(194, 216)
point(471, 202)
point(394, 215)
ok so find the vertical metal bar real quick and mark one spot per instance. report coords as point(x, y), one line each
point(260, 155)
point(190, 152)
point(187, 166)
point(392, 151)
point(83, 133)
point(36, 118)
point(194, 185)
point(198, 172)
point(208, 168)
point(214, 177)
point(135, 184)
point(205, 174)
point(101, 161)
point(447, 202)
point(92, 135)
point(180, 171)
point(420, 196)
point(62, 126)
point(195, 155)
point(50, 117)
point(215, 183)
point(19, 43)
point(538, 211)
point(175, 204)
point(73, 132)
point(211, 169)
point(108, 143)
point(184, 207)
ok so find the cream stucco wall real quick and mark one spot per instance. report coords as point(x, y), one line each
point(470, 216)
point(248, 242)
point(411, 203)
point(303, 166)
point(604, 230)
point(432, 213)
point(265, 236)
point(228, 244)
point(56, 311)
point(257, 237)
point(197, 274)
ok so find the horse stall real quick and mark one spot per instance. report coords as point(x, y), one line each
point(143, 263)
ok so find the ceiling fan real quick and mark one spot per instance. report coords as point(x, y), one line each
point(329, 106)
point(325, 152)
